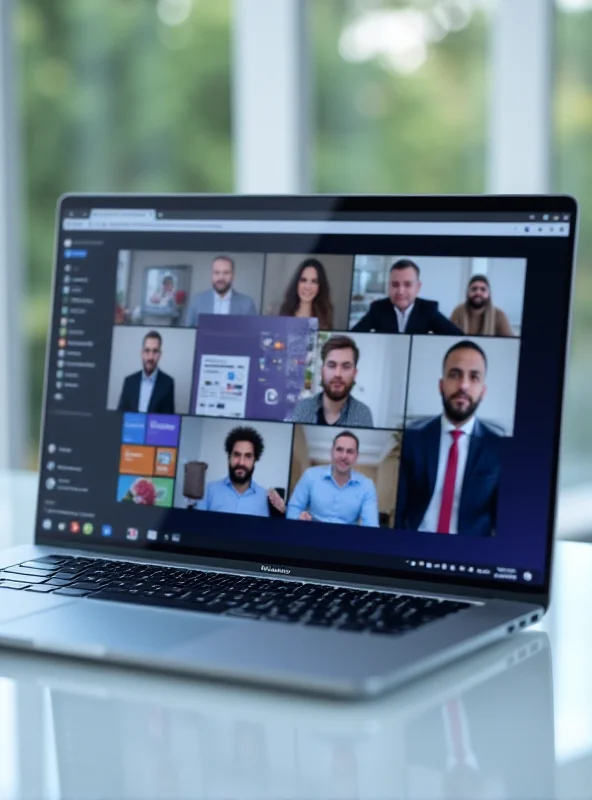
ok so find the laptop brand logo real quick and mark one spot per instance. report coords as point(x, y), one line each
point(280, 570)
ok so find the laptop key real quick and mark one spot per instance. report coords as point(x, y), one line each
point(12, 585)
point(86, 586)
point(10, 576)
point(51, 560)
point(69, 592)
point(28, 571)
point(45, 565)
point(41, 588)
point(241, 612)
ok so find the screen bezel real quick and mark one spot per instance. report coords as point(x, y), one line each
point(330, 207)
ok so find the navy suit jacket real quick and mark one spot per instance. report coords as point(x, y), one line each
point(417, 478)
point(162, 400)
point(425, 318)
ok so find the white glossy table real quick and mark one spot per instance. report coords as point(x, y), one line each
point(500, 724)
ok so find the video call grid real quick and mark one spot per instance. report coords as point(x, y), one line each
point(283, 422)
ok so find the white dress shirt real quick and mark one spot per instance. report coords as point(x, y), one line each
point(146, 388)
point(222, 304)
point(403, 317)
point(430, 520)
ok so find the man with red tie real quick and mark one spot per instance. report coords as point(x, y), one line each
point(450, 465)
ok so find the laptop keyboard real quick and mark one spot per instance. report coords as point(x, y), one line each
point(229, 595)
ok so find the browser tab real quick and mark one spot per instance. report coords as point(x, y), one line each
point(140, 214)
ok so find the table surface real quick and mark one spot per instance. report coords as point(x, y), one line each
point(513, 721)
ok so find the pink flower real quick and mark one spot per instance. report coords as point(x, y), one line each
point(143, 492)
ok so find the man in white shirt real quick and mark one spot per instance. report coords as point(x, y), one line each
point(221, 298)
point(450, 465)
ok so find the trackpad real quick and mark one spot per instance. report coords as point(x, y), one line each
point(99, 628)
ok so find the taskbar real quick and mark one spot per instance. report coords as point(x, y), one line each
point(151, 541)
point(466, 570)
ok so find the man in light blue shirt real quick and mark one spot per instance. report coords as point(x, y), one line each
point(238, 493)
point(336, 493)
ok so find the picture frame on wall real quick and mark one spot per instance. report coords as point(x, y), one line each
point(166, 291)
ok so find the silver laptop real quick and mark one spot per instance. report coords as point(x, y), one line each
point(307, 442)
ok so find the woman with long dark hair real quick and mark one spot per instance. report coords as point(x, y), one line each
point(309, 294)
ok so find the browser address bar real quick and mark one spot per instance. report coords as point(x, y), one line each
point(318, 227)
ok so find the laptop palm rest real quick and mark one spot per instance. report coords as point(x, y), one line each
point(100, 629)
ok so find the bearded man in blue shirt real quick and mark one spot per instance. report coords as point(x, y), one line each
point(238, 493)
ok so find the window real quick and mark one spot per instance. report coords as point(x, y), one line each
point(117, 95)
point(572, 173)
point(400, 95)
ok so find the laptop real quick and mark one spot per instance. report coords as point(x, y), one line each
point(305, 442)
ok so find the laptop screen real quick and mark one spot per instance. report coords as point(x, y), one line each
point(365, 385)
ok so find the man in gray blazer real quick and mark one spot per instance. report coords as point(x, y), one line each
point(221, 298)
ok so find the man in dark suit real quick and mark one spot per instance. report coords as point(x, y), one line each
point(450, 465)
point(150, 390)
point(403, 311)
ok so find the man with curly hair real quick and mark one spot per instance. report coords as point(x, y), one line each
point(238, 493)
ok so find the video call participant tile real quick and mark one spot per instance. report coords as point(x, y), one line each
point(485, 385)
point(255, 367)
point(359, 380)
point(170, 288)
point(344, 476)
point(150, 370)
point(309, 286)
point(233, 466)
point(462, 395)
point(445, 296)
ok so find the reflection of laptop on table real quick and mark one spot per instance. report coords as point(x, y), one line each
point(446, 736)
point(333, 556)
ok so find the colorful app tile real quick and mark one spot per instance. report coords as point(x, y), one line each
point(147, 491)
point(136, 460)
point(134, 429)
point(166, 462)
point(164, 491)
point(163, 430)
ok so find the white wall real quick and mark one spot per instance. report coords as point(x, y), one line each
point(280, 267)
point(177, 360)
point(248, 277)
point(498, 406)
point(203, 440)
point(507, 277)
point(382, 375)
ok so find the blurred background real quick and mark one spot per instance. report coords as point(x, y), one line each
point(438, 96)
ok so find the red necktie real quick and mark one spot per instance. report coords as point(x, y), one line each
point(449, 484)
point(456, 732)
